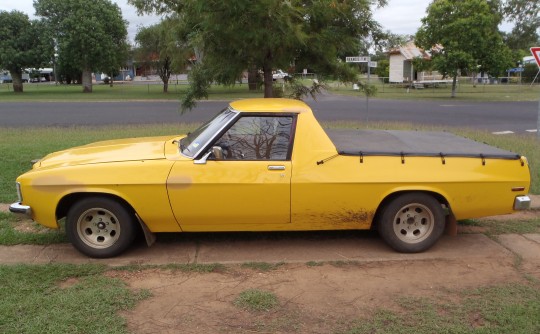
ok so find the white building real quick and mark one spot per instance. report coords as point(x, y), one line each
point(401, 64)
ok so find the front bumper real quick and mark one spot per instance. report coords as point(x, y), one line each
point(18, 208)
point(522, 203)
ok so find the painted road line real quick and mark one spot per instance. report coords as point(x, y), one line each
point(503, 132)
point(533, 130)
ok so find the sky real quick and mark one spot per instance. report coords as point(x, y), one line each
point(399, 16)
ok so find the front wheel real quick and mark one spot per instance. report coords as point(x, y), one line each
point(412, 222)
point(100, 227)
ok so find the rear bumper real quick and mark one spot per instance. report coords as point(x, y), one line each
point(522, 203)
point(18, 208)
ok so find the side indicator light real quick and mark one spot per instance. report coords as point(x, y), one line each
point(518, 188)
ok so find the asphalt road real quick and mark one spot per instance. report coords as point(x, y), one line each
point(517, 117)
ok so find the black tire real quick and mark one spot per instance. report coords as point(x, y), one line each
point(100, 227)
point(412, 222)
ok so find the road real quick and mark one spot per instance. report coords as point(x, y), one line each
point(518, 117)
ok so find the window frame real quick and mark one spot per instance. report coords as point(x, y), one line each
point(288, 157)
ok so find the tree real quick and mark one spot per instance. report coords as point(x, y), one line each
point(23, 44)
point(90, 35)
point(159, 46)
point(468, 34)
point(266, 35)
point(525, 14)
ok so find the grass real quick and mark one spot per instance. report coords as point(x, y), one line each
point(496, 227)
point(62, 298)
point(40, 92)
point(82, 299)
point(154, 91)
point(512, 308)
point(37, 236)
point(465, 92)
point(262, 266)
point(256, 300)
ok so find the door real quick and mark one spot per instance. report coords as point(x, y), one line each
point(248, 183)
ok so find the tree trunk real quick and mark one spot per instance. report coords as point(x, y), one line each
point(16, 76)
point(253, 78)
point(454, 84)
point(87, 81)
point(164, 71)
point(268, 82)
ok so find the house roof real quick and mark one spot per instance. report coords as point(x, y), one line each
point(410, 51)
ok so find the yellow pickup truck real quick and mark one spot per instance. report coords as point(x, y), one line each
point(267, 165)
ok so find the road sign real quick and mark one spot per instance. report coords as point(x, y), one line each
point(372, 64)
point(356, 59)
point(536, 53)
point(516, 69)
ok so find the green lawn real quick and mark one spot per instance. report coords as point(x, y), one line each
point(119, 92)
point(154, 91)
point(512, 308)
point(62, 298)
point(465, 92)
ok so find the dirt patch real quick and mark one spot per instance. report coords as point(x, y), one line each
point(29, 226)
point(4, 207)
point(313, 299)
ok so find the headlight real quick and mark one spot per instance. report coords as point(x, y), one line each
point(19, 193)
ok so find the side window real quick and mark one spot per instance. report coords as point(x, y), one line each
point(257, 138)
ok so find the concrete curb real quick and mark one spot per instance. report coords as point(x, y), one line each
point(359, 248)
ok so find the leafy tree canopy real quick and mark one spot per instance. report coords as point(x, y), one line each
point(526, 16)
point(90, 35)
point(469, 36)
point(232, 36)
point(23, 44)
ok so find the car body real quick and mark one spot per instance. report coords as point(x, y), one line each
point(279, 74)
point(268, 165)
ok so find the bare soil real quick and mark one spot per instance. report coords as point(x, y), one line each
point(313, 298)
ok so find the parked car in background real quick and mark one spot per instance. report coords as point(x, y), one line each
point(279, 74)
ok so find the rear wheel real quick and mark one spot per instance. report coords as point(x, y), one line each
point(412, 222)
point(100, 227)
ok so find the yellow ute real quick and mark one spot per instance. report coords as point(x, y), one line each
point(267, 165)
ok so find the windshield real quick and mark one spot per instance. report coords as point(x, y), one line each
point(195, 141)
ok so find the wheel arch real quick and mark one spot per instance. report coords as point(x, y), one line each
point(390, 197)
point(67, 201)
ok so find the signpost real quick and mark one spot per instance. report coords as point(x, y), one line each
point(364, 59)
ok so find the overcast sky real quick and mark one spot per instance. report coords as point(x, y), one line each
point(399, 16)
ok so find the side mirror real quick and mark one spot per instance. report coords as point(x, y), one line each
point(217, 152)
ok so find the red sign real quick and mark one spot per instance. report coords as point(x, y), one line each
point(536, 53)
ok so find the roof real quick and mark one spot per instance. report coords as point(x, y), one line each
point(410, 51)
point(270, 105)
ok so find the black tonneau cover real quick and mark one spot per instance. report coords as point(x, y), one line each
point(412, 143)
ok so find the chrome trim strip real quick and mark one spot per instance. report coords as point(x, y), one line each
point(19, 192)
point(233, 119)
point(522, 203)
point(18, 208)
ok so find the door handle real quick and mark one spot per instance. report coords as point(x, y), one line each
point(274, 167)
